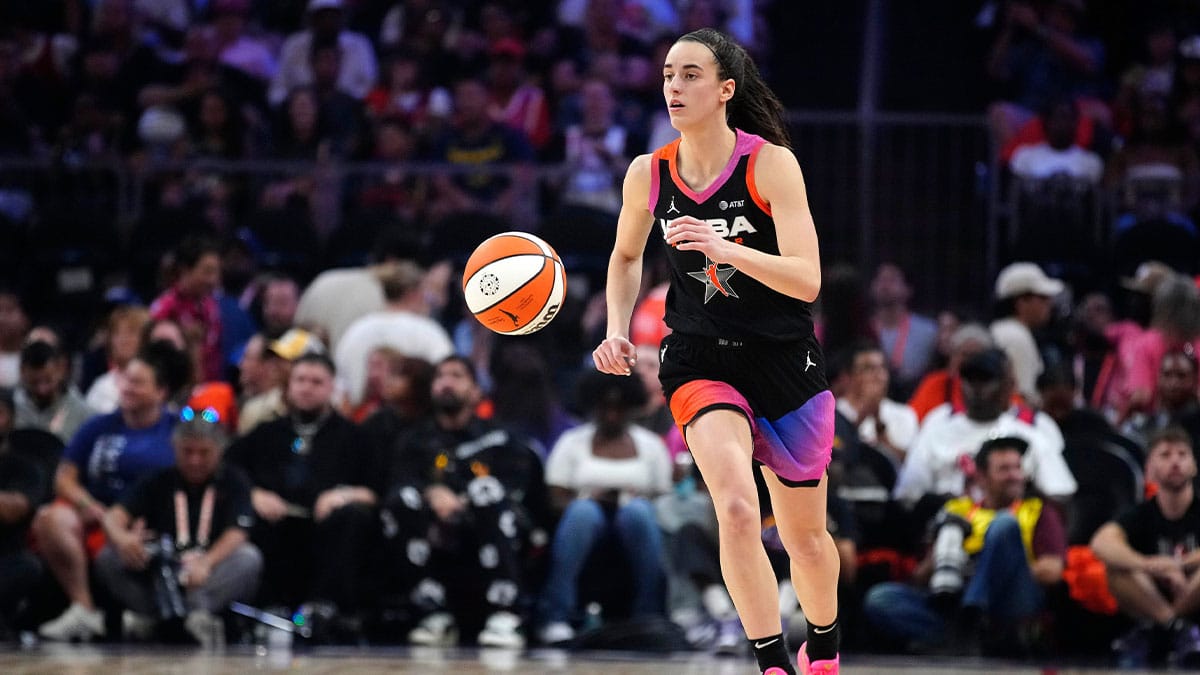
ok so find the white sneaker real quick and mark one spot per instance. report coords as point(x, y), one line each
point(206, 627)
point(556, 632)
point(77, 623)
point(135, 626)
point(435, 630)
point(502, 630)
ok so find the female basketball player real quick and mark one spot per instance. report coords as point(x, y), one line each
point(742, 370)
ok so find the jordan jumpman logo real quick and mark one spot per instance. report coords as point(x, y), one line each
point(671, 206)
point(808, 362)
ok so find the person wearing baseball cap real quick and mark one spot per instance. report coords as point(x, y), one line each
point(1026, 295)
point(274, 358)
point(358, 68)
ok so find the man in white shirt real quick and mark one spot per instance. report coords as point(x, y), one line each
point(885, 424)
point(1058, 154)
point(326, 23)
point(1028, 295)
point(941, 459)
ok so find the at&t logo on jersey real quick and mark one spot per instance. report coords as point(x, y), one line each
point(735, 204)
point(722, 226)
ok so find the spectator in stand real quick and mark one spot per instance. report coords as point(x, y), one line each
point(403, 324)
point(524, 398)
point(405, 94)
point(393, 196)
point(22, 491)
point(342, 116)
point(299, 133)
point(996, 553)
point(357, 69)
point(405, 401)
point(122, 341)
point(1059, 155)
point(945, 385)
point(236, 46)
point(1176, 402)
point(1153, 74)
point(1149, 553)
point(204, 507)
point(476, 142)
point(1174, 325)
point(1043, 54)
point(516, 99)
point(315, 486)
point(279, 300)
point(465, 513)
point(938, 464)
point(1026, 296)
point(191, 301)
point(46, 398)
point(889, 426)
point(1156, 173)
point(108, 455)
point(267, 367)
point(218, 129)
point(602, 475)
point(596, 151)
point(14, 324)
point(907, 338)
point(1092, 341)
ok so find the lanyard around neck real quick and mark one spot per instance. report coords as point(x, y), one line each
point(183, 535)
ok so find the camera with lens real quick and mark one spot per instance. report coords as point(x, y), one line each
point(169, 598)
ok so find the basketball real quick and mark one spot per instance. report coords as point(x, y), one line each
point(514, 283)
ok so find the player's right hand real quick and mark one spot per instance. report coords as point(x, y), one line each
point(615, 356)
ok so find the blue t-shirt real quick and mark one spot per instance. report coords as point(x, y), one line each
point(112, 457)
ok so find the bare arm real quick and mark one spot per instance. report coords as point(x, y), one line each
point(14, 506)
point(68, 489)
point(796, 271)
point(226, 544)
point(1112, 547)
point(615, 354)
point(1047, 569)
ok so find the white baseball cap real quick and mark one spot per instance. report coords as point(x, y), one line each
point(1020, 278)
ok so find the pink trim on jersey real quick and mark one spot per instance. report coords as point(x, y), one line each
point(745, 144)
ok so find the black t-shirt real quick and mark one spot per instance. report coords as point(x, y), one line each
point(1150, 533)
point(153, 498)
point(20, 475)
point(340, 454)
point(430, 454)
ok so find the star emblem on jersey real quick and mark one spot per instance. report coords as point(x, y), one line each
point(715, 279)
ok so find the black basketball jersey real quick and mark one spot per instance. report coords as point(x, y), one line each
point(717, 300)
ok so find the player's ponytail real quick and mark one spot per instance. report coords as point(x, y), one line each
point(754, 107)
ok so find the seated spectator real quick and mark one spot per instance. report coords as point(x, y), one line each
point(1156, 172)
point(601, 476)
point(236, 47)
point(992, 560)
point(477, 142)
point(405, 95)
point(939, 462)
point(394, 196)
point(199, 514)
point(268, 366)
point(465, 512)
point(46, 399)
point(524, 398)
point(516, 99)
point(122, 341)
point(1153, 73)
point(403, 324)
point(889, 426)
point(13, 325)
point(217, 130)
point(191, 301)
point(315, 486)
point(1149, 552)
point(1177, 401)
point(1026, 296)
point(326, 18)
point(404, 400)
point(102, 461)
point(1058, 155)
point(908, 339)
point(1174, 325)
point(22, 491)
point(343, 118)
point(945, 385)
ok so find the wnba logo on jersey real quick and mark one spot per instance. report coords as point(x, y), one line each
point(741, 225)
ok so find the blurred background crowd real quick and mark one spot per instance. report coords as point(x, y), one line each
point(235, 365)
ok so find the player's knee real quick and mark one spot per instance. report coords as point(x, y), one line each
point(811, 545)
point(738, 516)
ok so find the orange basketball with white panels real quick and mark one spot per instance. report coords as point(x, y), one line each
point(514, 283)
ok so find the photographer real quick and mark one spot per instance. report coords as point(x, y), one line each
point(200, 513)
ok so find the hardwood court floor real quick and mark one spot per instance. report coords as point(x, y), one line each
point(83, 660)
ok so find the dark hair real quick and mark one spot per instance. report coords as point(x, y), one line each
point(7, 400)
point(38, 354)
point(596, 388)
point(997, 445)
point(1171, 434)
point(172, 367)
point(192, 249)
point(461, 360)
point(754, 107)
point(857, 348)
point(322, 360)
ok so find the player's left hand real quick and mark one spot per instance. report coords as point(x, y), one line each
point(687, 233)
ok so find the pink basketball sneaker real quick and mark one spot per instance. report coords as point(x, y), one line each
point(827, 667)
point(774, 671)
